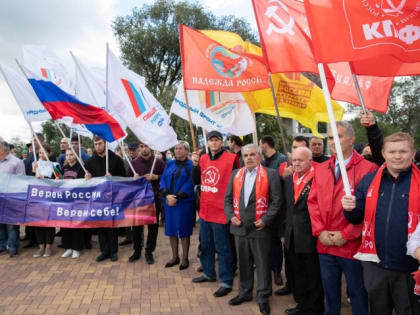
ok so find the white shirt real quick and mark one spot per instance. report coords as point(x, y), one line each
point(249, 182)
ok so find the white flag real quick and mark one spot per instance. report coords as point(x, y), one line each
point(134, 104)
point(224, 112)
point(43, 62)
point(25, 96)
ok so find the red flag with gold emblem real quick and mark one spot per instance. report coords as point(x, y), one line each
point(208, 65)
point(379, 37)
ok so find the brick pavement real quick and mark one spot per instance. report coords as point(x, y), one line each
point(58, 285)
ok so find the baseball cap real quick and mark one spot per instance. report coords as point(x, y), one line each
point(214, 133)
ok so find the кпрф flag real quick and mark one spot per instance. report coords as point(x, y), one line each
point(132, 102)
point(61, 104)
point(380, 38)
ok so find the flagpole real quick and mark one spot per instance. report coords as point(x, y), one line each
point(79, 159)
point(107, 100)
point(80, 145)
point(190, 121)
point(279, 119)
point(33, 144)
point(126, 157)
point(154, 163)
point(205, 139)
point(255, 134)
point(334, 131)
point(359, 92)
point(30, 126)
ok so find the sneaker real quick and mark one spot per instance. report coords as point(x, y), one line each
point(39, 253)
point(67, 253)
point(47, 252)
point(76, 254)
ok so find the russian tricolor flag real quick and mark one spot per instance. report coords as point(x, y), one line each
point(61, 104)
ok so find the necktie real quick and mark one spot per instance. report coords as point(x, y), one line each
point(337, 172)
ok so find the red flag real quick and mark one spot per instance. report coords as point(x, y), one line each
point(285, 38)
point(375, 90)
point(379, 37)
point(208, 65)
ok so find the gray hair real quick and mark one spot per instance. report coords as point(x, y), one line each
point(251, 146)
point(185, 144)
point(304, 149)
point(347, 126)
point(4, 146)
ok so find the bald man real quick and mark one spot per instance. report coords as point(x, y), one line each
point(304, 276)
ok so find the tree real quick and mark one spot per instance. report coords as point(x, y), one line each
point(149, 43)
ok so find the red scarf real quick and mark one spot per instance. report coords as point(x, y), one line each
point(300, 182)
point(416, 277)
point(261, 191)
point(367, 250)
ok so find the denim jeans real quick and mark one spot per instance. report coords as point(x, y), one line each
point(9, 235)
point(214, 238)
point(332, 268)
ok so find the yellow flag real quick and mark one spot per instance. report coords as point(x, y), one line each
point(297, 97)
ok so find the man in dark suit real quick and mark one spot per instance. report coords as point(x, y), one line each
point(304, 277)
point(252, 201)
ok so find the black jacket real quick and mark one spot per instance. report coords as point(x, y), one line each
point(391, 221)
point(298, 229)
point(96, 165)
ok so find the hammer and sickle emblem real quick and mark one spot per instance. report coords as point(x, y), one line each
point(271, 14)
point(394, 9)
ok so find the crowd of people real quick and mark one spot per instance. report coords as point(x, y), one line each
point(258, 210)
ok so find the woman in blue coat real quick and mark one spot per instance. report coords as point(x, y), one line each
point(177, 188)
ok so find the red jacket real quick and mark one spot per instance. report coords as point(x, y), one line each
point(324, 204)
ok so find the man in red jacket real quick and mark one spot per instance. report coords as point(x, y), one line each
point(212, 171)
point(338, 240)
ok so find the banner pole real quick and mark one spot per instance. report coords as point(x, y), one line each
point(359, 92)
point(33, 144)
point(334, 129)
point(279, 119)
point(71, 147)
point(190, 122)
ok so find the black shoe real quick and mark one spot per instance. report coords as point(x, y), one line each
point(283, 291)
point(114, 257)
point(238, 300)
point(182, 266)
point(125, 242)
point(202, 279)
point(172, 263)
point(12, 253)
point(222, 291)
point(30, 245)
point(136, 256)
point(149, 259)
point(200, 269)
point(88, 245)
point(264, 308)
point(295, 311)
point(102, 257)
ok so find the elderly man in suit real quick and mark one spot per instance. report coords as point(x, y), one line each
point(252, 201)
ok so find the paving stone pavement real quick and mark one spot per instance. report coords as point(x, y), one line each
point(58, 285)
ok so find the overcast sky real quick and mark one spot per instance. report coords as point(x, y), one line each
point(83, 26)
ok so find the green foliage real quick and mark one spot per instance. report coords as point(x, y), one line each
point(19, 145)
point(149, 43)
point(403, 111)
